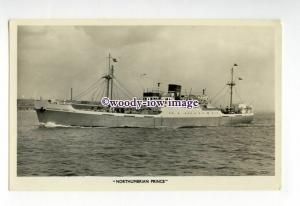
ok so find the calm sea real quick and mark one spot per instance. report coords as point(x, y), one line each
point(73, 151)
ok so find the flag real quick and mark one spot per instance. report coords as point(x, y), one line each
point(240, 78)
point(235, 65)
point(114, 60)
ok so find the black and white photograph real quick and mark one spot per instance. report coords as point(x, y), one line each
point(147, 100)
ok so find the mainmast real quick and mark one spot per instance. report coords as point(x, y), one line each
point(231, 84)
point(111, 81)
point(109, 77)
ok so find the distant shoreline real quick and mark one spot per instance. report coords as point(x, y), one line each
point(25, 104)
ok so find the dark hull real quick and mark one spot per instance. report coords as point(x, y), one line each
point(108, 120)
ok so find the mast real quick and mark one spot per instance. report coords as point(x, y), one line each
point(71, 94)
point(109, 77)
point(107, 85)
point(111, 81)
point(231, 84)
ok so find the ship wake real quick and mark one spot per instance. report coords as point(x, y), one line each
point(54, 125)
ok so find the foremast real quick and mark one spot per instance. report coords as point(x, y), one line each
point(110, 76)
point(231, 84)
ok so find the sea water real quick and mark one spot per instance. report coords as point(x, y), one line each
point(60, 150)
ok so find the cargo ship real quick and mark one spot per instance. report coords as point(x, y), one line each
point(93, 114)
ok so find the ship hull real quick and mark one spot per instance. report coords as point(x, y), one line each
point(109, 120)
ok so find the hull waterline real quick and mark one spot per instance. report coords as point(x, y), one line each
point(109, 120)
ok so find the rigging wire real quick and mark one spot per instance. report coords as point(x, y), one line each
point(123, 87)
point(101, 92)
point(89, 89)
point(221, 97)
point(95, 94)
point(116, 93)
point(102, 95)
point(218, 93)
point(238, 94)
point(98, 92)
point(126, 94)
point(117, 88)
point(93, 84)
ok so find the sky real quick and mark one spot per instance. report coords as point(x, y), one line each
point(53, 59)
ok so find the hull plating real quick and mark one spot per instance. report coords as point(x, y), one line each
point(106, 120)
